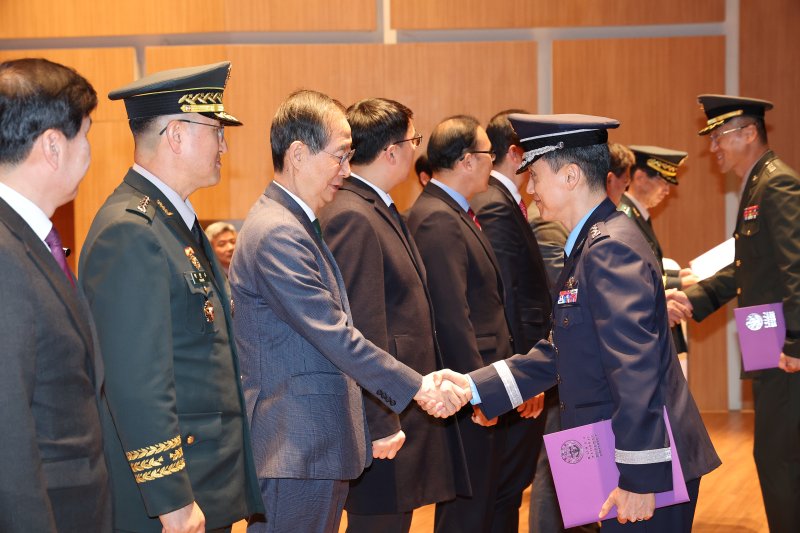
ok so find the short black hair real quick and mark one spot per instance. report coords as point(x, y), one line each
point(422, 165)
point(450, 139)
point(37, 95)
point(593, 160)
point(375, 123)
point(304, 116)
point(139, 126)
point(502, 134)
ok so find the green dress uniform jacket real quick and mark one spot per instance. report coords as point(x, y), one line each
point(173, 419)
point(766, 267)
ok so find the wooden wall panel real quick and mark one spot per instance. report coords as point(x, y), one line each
point(455, 14)
point(80, 18)
point(651, 86)
point(768, 68)
point(109, 137)
point(436, 80)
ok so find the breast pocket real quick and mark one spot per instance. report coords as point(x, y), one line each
point(568, 316)
point(200, 309)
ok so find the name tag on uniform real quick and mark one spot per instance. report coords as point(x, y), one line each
point(751, 213)
point(200, 278)
point(568, 297)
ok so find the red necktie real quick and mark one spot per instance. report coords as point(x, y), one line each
point(57, 250)
point(524, 209)
point(471, 214)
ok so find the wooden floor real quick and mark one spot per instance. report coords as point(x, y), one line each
point(730, 499)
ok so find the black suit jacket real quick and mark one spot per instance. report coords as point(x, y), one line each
point(54, 477)
point(385, 280)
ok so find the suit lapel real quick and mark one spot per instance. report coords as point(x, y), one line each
point(41, 257)
point(172, 219)
point(277, 194)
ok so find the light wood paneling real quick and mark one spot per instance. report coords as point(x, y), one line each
point(109, 137)
point(454, 14)
point(79, 18)
point(435, 80)
point(651, 87)
point(768, 68)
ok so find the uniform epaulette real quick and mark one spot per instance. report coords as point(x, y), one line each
point(597, 233)
point(142, 206)
point(625, 208)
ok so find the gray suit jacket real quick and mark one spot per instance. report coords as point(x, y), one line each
point(54, 477)
point(302, 359)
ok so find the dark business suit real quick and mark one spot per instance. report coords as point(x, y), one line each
point(527, 308)
point(671, 278)
point(385, 280)
point(303, 362)
point(54, 477)
point(467, 293)
point(767, 270)
point(614, 360)
point(174, 417)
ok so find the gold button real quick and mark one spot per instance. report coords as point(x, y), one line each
point(735, 235)
point(190, 439)
point(565, 321)
point(738, 262)
point(739, 291)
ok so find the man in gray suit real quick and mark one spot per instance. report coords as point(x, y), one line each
point(303, 363)
point(55, 477)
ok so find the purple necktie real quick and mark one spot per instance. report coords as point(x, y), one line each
point(54, 242)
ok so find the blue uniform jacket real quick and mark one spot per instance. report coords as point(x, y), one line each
point(612, 357)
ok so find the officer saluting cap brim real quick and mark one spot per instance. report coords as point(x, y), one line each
point(182, 90)
point(540, 134)
point(720, 108)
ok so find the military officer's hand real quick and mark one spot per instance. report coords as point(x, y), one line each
point(189, 519)
point(678, 306)
point(532, 407)
point(443, 393)
point(789, 364)
point(479, 418)
point(631, 507)
point(387, 447)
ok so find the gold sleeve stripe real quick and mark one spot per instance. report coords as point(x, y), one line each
point(168, 470)
point(154, 449)
point(177, 454)
point(147, 464)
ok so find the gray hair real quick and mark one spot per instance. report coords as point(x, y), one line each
point(217, 228)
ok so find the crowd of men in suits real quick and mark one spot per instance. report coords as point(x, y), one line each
point(165, 391)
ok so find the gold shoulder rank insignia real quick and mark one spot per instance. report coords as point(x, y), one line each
point(164, 208)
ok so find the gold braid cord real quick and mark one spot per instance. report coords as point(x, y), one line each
point(147, 464)
point(161, 447)
point(158, 473)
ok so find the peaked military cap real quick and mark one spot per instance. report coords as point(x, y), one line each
point(719, 108)
point(663, 160)
point(182, 90)
point(540, 134)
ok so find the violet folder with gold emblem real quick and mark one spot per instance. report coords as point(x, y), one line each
point(584, 471)
point(762, 332)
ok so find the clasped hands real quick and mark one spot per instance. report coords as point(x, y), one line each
point(443, 393)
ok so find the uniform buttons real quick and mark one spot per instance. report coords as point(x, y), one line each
point(558, 379)
point(190, 439)
point(562, 406)
point(565, 321)
point(735, 235)
point(738, 262)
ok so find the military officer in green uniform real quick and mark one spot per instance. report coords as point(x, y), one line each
point(175, 434)
point(766, 269)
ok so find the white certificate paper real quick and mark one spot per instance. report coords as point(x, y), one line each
point(706, 265)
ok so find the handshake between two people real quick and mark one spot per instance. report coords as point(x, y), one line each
point(443, 393)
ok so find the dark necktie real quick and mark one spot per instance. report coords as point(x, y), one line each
point(57, 250)
point(471, 214)
point(196, 232)
point(317, 228)
point(524, 209)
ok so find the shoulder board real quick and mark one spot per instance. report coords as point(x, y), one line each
point(142, 206)
point(597, 232)
point(625, 208)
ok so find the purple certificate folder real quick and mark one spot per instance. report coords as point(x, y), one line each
point(584, 471)
point(762, 332)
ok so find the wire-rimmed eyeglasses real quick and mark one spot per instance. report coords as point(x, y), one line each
point(220, 129)
point(347, 156)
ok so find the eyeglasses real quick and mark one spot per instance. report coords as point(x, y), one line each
point(491, 154)
point(714, 137)
point(415, 141)
point(220, 129)
point(343, 158)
